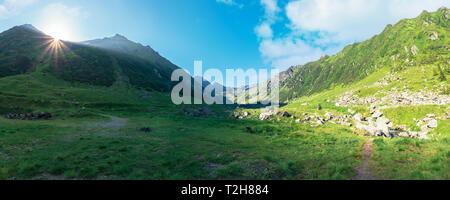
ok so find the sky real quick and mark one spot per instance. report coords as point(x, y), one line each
point(222, 33)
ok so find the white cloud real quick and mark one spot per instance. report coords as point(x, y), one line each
point(61, 10)
point(19, 3)
point(283, 52)
point(270, 6)
point(352, 20)
point(3, 12)
point(231, 3)
point(326, 26)
point(10, 8)
point(264, 30)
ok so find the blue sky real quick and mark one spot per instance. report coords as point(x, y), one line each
point(222, 33)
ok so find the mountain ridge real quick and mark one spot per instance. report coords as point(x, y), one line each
point(24, 48)
point(121, 44)
point(406, 43)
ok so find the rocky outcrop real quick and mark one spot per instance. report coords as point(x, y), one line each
point(201, 112)
point(430, 122)
point(434, 35)
point(265, 115)
point(315, 119)
point(381, 126)
point(239, 115)
point(30, 116)
point(395, 98)
point(284, 114)
point(375, 125)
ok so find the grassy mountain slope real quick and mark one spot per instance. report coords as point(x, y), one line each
point(411, 42)
point(24, 49)
point(121, 44)
point(19, 50)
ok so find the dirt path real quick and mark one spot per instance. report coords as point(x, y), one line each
point(364, 170)
point(115, 123)
point(111, 127)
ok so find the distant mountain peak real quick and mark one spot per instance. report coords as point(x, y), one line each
point(119, 37)
point(29, 27)
point(120, 43)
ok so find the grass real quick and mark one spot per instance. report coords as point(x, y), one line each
point(37, 149)
point(405, 115)
point(404, 158)
point(82, 141)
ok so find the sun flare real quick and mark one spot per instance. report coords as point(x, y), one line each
point(54, 49)
point(59, 31)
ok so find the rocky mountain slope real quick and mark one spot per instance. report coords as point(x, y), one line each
point(421, 41)
point(393, 85)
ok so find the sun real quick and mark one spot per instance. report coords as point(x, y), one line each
point(59, 28)
point(59, 31)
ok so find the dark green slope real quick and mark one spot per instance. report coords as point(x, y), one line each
point(19, 49)
point(121, 44)
point(411, 42)
point(23, 49)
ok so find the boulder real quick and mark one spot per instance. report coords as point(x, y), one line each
point(390, 125)
point(351, 111)
point(403, 134)
point(307, 118)
point(431, 116)
point(44, 115)
point(433, 124)
point(379, 128)
point(246, 114)
point(377, 114)
point(373, 109)
point(426, 119)
point(400, 128)
point(329, 116)
point(413, 134)
point(423, 136)
point(29, 116)
point(358, 117)
point(265, 116)
point(145, 129)
point(371, 130)
point(239, 115)
point(284, 114)
point(346, 124)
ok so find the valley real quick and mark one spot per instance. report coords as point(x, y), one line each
point(101, 110)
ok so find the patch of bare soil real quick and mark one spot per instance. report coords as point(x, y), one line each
point(364, 172)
